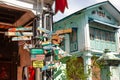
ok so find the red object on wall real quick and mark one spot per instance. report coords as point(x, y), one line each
point(60, 5)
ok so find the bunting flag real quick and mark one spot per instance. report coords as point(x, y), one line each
point(60, 5)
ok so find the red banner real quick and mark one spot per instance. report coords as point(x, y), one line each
point(60, 5)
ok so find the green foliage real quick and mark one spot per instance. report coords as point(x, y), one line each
point(75, 70)
point(100, 64)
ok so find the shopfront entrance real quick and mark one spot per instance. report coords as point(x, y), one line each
point(8, 58)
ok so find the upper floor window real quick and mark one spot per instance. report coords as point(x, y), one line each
point(99, 34)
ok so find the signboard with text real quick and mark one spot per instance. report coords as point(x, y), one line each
point(38, 57)
point(38, 64)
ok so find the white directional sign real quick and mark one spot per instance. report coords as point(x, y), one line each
point(25, 38)
point(18, 33)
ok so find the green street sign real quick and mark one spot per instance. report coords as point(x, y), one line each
point(35, 51)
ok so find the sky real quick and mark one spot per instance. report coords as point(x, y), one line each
point(76, 5)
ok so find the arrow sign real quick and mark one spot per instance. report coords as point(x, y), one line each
point(20, 29)
point(44, 30)
point(21, 38)
point(64, 31)
point(18, 33)
point(36, 51)
point(38, 57)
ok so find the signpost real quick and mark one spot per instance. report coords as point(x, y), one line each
point(38, 45)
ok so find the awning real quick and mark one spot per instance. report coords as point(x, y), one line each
point(104, 23)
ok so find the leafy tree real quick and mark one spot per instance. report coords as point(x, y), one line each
point(75, 69)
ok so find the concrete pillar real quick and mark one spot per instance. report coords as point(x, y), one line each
point(87, 65)
point(114, 70)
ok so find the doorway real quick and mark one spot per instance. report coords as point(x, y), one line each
point(8, 58)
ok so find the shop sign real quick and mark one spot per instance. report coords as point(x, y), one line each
point(38, 64)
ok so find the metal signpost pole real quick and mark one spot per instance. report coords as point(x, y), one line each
point(39, 13)
point(45, 21)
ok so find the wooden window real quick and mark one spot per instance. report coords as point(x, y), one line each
point(112, 37)
point(92, 35)
point(99, 34)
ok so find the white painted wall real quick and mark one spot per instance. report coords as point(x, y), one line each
point(114, 73)
point(83, 34)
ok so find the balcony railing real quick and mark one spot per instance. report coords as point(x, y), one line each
point(101, 45)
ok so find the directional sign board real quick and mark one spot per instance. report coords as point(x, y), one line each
point(35, 51)
point(38, 64)
point(44, 30)
point(38, 57)
point(64, 31)
point(18, 33)
point(21, 38)
point(20, 29)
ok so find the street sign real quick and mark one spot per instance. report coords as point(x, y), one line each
point(44, 30)
point(64, 31)
point(38, 64)
point(20, 29)
point(45, 68)
point(18, 33)
point(46, 43)
point(38, 57)
point(21, 38)
point(35, 51)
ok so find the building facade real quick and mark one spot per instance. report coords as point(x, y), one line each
point(94, 29)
